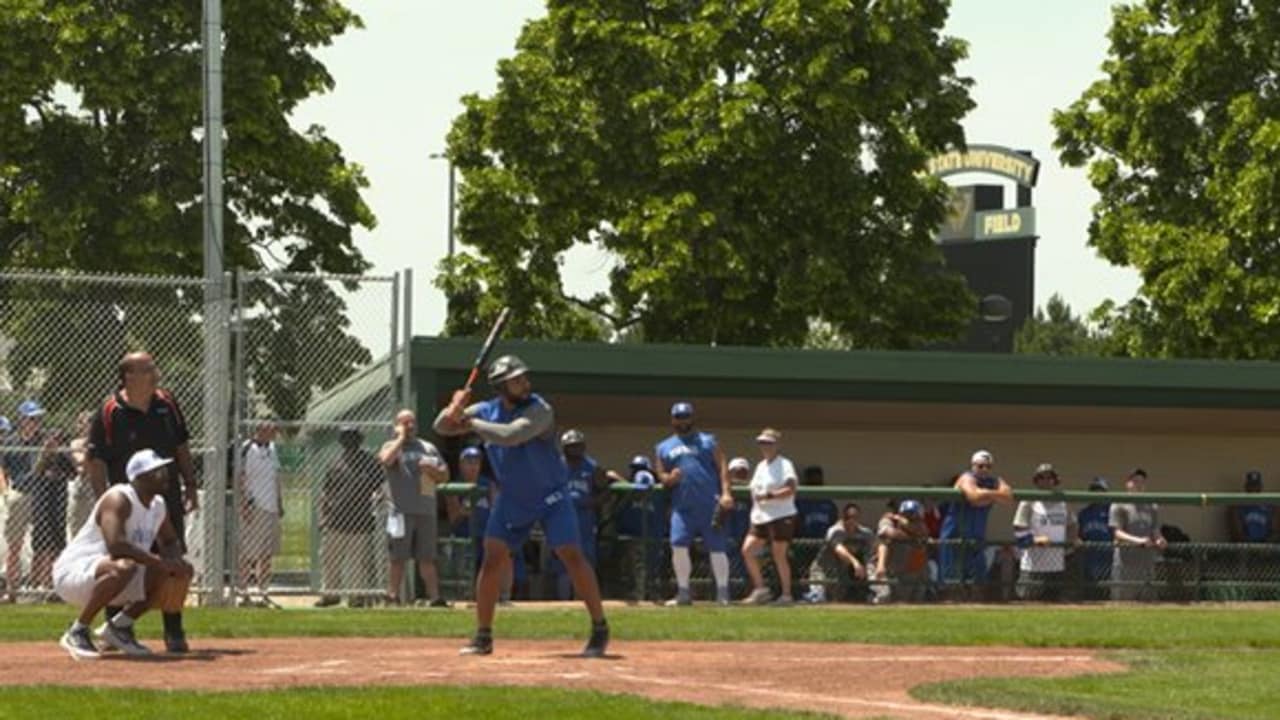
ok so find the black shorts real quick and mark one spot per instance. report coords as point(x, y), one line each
point(780, 530)
point(48, 522)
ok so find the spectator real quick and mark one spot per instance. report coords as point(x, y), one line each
point(588, 483)
point(842, 561)
point(141, 415)
point(1092, 525)
point(80, 493)
point(261, 508)
point(691, 465)
point(1041, 528)
point(471, 472)
point(1254, 522)
point(773, 490)
point(40, 471)
point(816, 515)
point(643, 518)
point(413, 468)
point(904, 562)
point(736, 521)
point(1137, 535)
point(347, 520)
point(15, 465)
point(962, 549)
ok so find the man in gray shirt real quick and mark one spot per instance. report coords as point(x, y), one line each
point(413, 468)
point(1137, 535)
point(843, 559)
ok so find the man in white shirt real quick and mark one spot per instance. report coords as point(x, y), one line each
point(1040, 528)
point(773, 516)
point(261, 507)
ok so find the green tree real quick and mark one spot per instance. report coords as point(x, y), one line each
point(1182, 141)
point(1055, 330)
point(751, 166)
point(100, 156)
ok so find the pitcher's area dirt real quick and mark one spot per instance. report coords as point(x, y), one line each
point(854, 681)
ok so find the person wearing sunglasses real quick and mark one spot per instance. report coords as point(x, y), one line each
point(962, 540)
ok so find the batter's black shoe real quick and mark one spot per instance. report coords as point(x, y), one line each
point(175, 643)
point(598, 642)
point(479, 645)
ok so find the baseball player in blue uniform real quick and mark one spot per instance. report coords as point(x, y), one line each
point(587, 481)
point(691, 465)
point(518, 428)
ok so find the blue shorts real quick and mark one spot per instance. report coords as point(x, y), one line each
point(687, 523)
point(586, 526)
point(559, 523)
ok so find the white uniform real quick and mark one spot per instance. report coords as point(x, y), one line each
point(73, 571)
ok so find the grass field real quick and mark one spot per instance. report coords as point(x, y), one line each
point(1188, 663)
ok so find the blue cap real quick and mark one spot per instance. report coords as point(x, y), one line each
point(644, 478)
point(682, 409)
point(640, 462)
point(5, 425)
point(30, 409)
point(471, 452)
point(910, 507)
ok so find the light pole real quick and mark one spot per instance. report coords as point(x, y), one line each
point(452, 186)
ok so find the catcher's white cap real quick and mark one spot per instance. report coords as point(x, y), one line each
point(982, 457)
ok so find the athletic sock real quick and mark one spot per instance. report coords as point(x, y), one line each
point(683, 566)
point(77, 626)
point(173, 623)
point(720, 570)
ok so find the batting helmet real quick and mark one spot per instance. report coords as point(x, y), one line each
point(910, 507)
point(640, 462)
point(573, 437)
point(505, 368)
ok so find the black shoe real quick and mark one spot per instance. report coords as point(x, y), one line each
point(440, 603)
point(598, 642)
point(175, 643)
point(327, 601)
point(479, 645)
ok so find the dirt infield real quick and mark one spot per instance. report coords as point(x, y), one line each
point(855, 681)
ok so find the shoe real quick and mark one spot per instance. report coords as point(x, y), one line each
point(682, 599)
point(439, 603)
point(327, 601)
point(175, 643)
point(759, 596)
point(78, 645)
point(479, 645)
point(597, 643)
point(783, 601)
point(815, 597)
point(123, 639)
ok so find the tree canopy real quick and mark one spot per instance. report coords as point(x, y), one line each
point(752, 167)
point(100, 153)
point(1055, 330)
point(1182, 142)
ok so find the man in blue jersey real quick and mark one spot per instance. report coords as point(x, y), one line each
point(1253, 523)
point(518, 428)
point(1091, 524)
point(962, 550)
point(815, 515)
point(691, 465)
point(588, 481)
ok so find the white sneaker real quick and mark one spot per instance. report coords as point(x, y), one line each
point(759, 596)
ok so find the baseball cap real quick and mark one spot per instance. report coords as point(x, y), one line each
point(910, 507)
point(1045, 470)
point(983, 457)
point(144, 461)
point(5, 425)
point(29, 409)
point(1253, 478)
point(1138, 472)
point(470, 453)
point(768, 435)
point(1099, 483)
point(739, 463)
point(639, 462)
point(644, 478)
point(682, 409)
point(573, 437)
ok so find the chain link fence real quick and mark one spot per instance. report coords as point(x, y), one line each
point(61, 339)
point(316, 361)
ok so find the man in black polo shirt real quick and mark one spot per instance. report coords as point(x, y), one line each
point(141, 416)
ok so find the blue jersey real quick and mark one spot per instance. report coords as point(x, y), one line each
point(738, 522)
point(529, 474)
point(962, 520)
point(1255, 521)
point(581, 482)
point(816, 516)
point(695, 455)
point(644, 512)
point(1093, 525)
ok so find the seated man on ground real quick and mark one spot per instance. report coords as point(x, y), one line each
point(110, 562)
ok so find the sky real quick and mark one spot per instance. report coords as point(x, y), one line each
point(399, 80)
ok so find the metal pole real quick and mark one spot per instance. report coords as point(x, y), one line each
point(452, 188)
point(215, 328)
point(393, 358)
point(406, 392)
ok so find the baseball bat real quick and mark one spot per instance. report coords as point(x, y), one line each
point(487, 348)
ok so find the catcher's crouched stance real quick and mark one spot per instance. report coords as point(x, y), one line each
point(110, 561)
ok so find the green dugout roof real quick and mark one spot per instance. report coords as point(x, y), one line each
point(441, 364)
